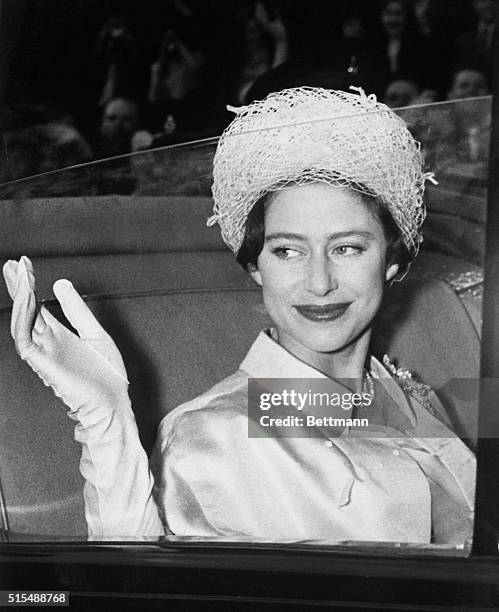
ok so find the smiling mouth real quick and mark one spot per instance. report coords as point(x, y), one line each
point(328, 312)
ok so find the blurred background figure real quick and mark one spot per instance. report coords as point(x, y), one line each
point(473, 116)
point(474, 46)
point(181, 86)
point(24, 154)
point(183, 61)
point(265, 46)
point(399, 44)
point(258, 43)
point(353, 55)
point(177, 71)
point(116, 57)
point(120, 121)
point(354, 42)
point(437, 131)
point(468, 83)
point(341, 53)
point(63, 146)
point(405, 93)
point(436, 34)
point(401, 93)
point(43, 137)
point(179, 93)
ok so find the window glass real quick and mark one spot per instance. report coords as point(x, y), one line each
point(131, 235)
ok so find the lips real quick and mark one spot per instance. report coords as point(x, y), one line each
point(323, 314)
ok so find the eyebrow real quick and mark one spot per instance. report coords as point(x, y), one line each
point(333, 236)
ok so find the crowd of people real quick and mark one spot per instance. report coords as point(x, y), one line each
point(214, 54)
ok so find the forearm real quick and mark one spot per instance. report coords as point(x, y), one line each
point(156, 84)
point(118, 482)
point(87, 372)
point(280, 51)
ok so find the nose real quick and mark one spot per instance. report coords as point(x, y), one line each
point(321, 275)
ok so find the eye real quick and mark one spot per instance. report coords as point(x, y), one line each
point(283, 252)
point(348, 250)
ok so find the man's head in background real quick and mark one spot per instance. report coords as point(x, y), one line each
point(468, 83)
point(120, 120)
point(402, 92)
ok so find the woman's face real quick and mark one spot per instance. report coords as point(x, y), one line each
point(322, 269)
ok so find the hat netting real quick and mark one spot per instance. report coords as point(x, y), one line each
point(305, 135)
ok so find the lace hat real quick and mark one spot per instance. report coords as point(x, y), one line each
point(304, 135)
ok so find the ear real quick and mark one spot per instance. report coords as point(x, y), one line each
point(391, 272)
point(255, 274)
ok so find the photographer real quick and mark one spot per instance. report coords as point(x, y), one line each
point(179, 89)
point(116, 57)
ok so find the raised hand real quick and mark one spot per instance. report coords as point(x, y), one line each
point(87, 372)
point(80, 369)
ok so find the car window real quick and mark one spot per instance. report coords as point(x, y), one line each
point(131, 234)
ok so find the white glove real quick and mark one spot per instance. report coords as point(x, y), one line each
point(85, 370)
point(88, 374)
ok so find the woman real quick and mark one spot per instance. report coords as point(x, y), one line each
point(323, 215)
point(401, 44)
point(177, 89)
point(258, 43)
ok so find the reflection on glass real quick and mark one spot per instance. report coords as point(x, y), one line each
point(131, 234)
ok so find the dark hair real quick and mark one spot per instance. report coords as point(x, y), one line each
point(254, 234)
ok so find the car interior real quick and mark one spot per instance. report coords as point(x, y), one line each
point(183, 312)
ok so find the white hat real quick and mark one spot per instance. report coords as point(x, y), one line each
point(305, 135)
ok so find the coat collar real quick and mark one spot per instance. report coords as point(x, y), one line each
point(268, 359)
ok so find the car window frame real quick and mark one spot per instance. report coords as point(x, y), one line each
point(486, 524)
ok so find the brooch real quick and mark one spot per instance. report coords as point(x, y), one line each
point(415, 388)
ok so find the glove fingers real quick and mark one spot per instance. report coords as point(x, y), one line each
point(42, 319)
point(77, 312)
point(27, 264)
point(23, 311)
point(10, 276)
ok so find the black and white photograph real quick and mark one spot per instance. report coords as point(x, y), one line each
point(249, 356)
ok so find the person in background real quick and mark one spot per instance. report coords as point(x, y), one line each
point(468, 83)
point(116, 56)
point(177, 71)
point(436, 33)
point(401, 93)
point(119, 124)
point(64, 147)
point(405, 92)
point(474, 46)
point(399, 44)
point(342, 55)
point(265, 47)
point(180, 94)
point(24, 154)
point(259, 43)
point(120, 121)
point(354, 35)
point(472, 116)
point(47, 141)
point(355, 55)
